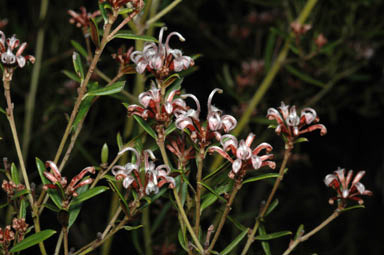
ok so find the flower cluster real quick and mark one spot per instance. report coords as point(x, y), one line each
point(153, 108)
point(11, 188)
point(7, 234)
point(59, 182)
point(160, 59)
point(117, 4)
point(82, 19)
point(245, 156)
point(178, 147)
point(155, 177)
point(291, 125)
point(7, 56)
point(216, 121)
point(345, 188)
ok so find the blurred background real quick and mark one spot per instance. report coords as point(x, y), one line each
point(237, 43)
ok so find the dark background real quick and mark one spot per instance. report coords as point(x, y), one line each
point(352, 109)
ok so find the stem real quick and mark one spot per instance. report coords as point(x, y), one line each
point(251, 236)
point(65, 235)
point(198, 190)
point(186, 221)
point(58, 244)
point(163, 12)
point(30, 102)
point(147, 231)
point(223, 217)
point(112, 222)
point(292, 246)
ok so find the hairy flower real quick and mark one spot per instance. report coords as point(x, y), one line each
point(216, 121)
point(152, 107)
point(8, 46)
point(59, 182)
point(290, 124)
point(155, 176)
point(345, 187)
point(82, 19)
point(11, 188)
point(245, 156)
point(160, 58)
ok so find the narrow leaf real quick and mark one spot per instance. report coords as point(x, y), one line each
point(77, 65)
point(261, 177)
point(299, 232)
point(3, 111)
point(208, 200)
point(303, 76)
point(15, 174)
point(23, 209)
point(272, 206)
point(181, 239)
point(111, 181)
point(119, 141)
point(53, 194)
point(79, 48)
point(269, 50)
point(145, 126)
point(75, 211)
point(273, 235)
point(95, 35)
point(84, 106)
point(103, 12)
point(234, 243)
point(33, 240)
point(212, 191)
point(352, 208)
point(71, 75)
point(109, 90)
point(129, 228)
point(88, 195)
point(170, 129)
point(264, 244)
point(130, 36)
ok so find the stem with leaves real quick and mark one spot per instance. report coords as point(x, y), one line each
point(198, 189)
point(251, 236)
point(303, 238)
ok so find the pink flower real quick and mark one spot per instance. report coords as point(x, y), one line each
point(160, 58)
point(345, 188)
point(290, 124)
point(7, 56)
point(216, 121)
point(245, 156)
point(61, 182)
point(82, 19)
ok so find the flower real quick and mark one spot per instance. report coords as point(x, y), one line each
point(117, 4)
point(153, 108)
point(59, 182)
point(345, 188)
point(300, 29)
point(11, 188)
point(20, 226)
point(216, 121)
point(245, 156)
point(178, 147)
point(160, 58)
point(7, 56)
point(82, 19)
point(290, 124)
point(6, 236)
point(155, 177)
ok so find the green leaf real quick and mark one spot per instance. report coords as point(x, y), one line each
point(208, 200)
point(33, 240)
point(303, 76)
point(273, 235)
point(53, 194)
point(170, 129)
point(104, 153)
point(77, 65)
point(269, 50)
point(84, 106)
point(299, 232)
point(170, 80)
point(352, 208)
point(236, 223)
point(119, 141)
point(88, 195)
point(79, 48)
point(145, 126)
point(103, 12)
point(75, 210)
point(20, 193)
point(15, 174)
point(261, 177)
point(129, 228)
point(23, 209)
point(130, 36)
point(272, 206)
point(71, 75)
point(108, 90)
point(111, 180)
point(51, 207)
point(4, 205)
point(234, 243)
point(301, 140)
point(3, 111)
point(212, 191)
point(264, 244)
point(182, 240)
point(174, 86)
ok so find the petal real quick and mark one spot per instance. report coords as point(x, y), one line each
point(229, 123)
point(236, 165)
point(256, 162)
